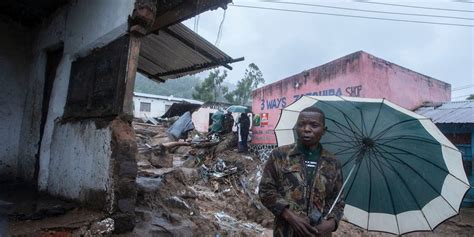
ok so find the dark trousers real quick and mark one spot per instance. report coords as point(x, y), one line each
point(243, 144)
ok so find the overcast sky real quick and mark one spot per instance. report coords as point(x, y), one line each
point(286, 43)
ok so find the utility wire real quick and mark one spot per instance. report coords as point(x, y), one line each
point(412, 6)
point(463, 1)
point(219, 33)
point(365, 10)
point(462, 87)
point(352, 16)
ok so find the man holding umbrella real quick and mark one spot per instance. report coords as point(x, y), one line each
point(301, 181)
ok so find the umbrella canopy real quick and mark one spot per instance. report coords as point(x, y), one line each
point(217, 119)
point(238, 109)
point(401, 173)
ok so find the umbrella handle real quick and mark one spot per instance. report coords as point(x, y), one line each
point(340, 191)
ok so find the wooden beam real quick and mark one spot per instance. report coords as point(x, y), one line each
point(132, 65)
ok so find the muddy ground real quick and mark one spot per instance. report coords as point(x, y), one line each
point(203, 189)
point(208, 191)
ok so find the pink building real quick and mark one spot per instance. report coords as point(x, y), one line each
point(358, 74)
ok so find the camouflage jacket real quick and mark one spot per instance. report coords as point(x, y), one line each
point(283, 185)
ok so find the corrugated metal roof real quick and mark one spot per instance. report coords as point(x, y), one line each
point(450, 112)
point(170, 98)
point(177, 51)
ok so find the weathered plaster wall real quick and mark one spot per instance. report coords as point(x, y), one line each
point(48, 36)
point(402, 86)
point(79, 168)
point(358, 74)
point(340, 77)
point(81, 26)
point(14, 63)
point(94, 24)
point(201, 119)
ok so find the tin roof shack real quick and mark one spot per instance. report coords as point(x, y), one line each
point(68, 71)
point(358, 74)
point(456, 121)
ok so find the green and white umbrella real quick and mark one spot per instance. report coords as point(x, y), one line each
point(401, 173)
point(238, 109)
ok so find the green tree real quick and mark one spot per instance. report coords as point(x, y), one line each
point(252, 78)
point(181, 87)
point(471, 97)
point(212, 88)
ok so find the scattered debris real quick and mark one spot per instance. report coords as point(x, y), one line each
point(213, 190)
point(105, 226)
point(192, 187)
point(232, 223)
point(208, 185)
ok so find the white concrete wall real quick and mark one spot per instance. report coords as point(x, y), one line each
point(74, 156)
point(201, 119)
point(158, 107)
point(80, 161)
point(45, 37)
point(88, 25)
point(14, 63)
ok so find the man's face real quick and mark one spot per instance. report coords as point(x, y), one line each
point(310, 128)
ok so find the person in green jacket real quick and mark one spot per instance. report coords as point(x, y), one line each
point(301, 181)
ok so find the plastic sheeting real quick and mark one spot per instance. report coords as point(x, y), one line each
point(181, 127)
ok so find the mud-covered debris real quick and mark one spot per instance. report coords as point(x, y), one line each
point(145, 132)
point(205, 181)
point(228, 222)
point(244, 181)
point(175, 201)
point(161, 159)
point(105, 226)
point(145, 184)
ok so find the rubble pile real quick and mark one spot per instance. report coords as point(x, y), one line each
point(197, 187)
point(207, 188)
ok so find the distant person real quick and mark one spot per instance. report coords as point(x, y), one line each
point(301, 181)
point(228, 122)
point(243, 125)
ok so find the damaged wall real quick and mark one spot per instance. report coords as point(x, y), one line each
point(78, 147)
point(79, 27)
point(14, 55)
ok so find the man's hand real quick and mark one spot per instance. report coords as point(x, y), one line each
point(299, 224)
point(326, 226)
